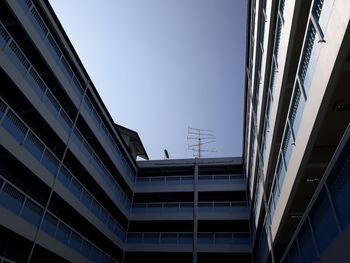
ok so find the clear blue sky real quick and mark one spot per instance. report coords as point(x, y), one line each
point(163, 65)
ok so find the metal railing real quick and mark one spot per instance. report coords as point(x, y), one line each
point(100, 168)
point(213, 238)
point(160, 238)
point(88, 200)
point(36, 83)
point(221, 179)
point(164, 180)
point(274, 71)
point(220, 238)
point(226, 207)
point(169, 207)
point(189, 180)
point(187, 207)
point(20, 204)
point(101, 127)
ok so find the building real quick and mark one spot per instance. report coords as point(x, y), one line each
point(296, 113)
point(70, 187)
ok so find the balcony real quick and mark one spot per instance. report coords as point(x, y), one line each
point(234, 210)
point(186, 183)
point(162, 211)
point(183, 242)
point(184, 211)
point(234, 182)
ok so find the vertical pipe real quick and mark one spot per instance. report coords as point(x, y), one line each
point(57, 174)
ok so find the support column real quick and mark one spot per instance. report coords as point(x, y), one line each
point(195, 212)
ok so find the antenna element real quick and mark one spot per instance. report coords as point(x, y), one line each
point(201, 137)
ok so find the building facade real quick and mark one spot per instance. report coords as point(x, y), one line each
point(70, 187)
point(296, 113)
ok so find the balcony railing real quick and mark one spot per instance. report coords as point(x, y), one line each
point(56, 52)
point(31, 211)
point(212, 238)
point(164, 180)
point(27, 138)
point(36, 83)
point(220, 238)
point(273, 75)
point(101, 127)
point(62, 64)
point(222, 207)
point(101, 169)
point(187, 207)
point(221, 179)
point(88, 200)
point(302, 83)
point(160, 238)
point(189, 180)
point(169, 207)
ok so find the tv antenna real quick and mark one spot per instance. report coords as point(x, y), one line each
point(202, 137)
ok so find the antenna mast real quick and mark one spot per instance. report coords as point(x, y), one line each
point(202, 137)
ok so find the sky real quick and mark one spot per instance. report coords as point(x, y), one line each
point(161, 66)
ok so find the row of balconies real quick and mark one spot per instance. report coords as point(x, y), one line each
point(30, 16)
point(264, 123)
point(74, 88)
point(313, 39)
point(310, 51)
point(47, 100)
point(265, 117)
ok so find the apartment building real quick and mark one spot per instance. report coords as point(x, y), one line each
point(71, 189)
point(296, 114)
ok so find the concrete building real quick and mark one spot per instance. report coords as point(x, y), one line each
point(296, 112)
point(70, 187)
